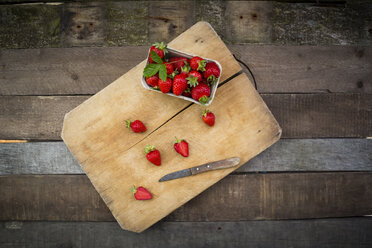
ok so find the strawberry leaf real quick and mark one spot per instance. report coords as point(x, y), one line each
point(150, 70)
point(155, 57)
point(162, 72)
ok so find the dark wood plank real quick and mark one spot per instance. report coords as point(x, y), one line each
point(64, 71)
point(326, 69)
point(285, 155)
point(283, 69)
point(235, 198)
point(322, 115)
point(137, 23)
point(346, 232)
point(299, 115)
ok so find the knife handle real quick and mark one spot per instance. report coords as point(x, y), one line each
point(217, 165)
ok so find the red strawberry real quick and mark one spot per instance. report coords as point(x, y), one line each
point(159, 48)
point(212, 72)
point(170, 67)
point(153, 155)
point(187, 92)
point(137, 126)
point(141, 193)
point(179, 84)
point(197, 63)
point(197, 75)
point(165, 86)
point(201, 93)
point(208, 117)
point(182, 147)
point(180, 62)
point(153, 81)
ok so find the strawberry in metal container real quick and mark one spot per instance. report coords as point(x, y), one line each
point(179, 84)
point(197, 63)
point(165, 86)
point(137, 126)
point(201, 93)
point(179, 62)
point(212, 72)
point(153, 80)
point(160, 49)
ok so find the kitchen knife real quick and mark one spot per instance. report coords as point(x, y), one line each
point(216, 165)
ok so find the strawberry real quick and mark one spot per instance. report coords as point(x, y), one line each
point(187, 92)
point(153, 155)
point(182, 147)
point(197, 75)
point(201, 93)
point(186, 68)
point(197, 63)
point(153, 81)
point(179, 84)
point(165, 86)
point(160, 49)
point(141, 193)
point(169, 67)
point(212, 72)
point(137, 126)
point(208, 117)
point(178, 62)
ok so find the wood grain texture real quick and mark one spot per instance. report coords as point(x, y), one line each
point(136, 23)
point(114, 163)
point(337, 233)
point(347, 115)
point(322, 69)
point(236, 198)
point(83, 24)
point(284, 69)
point(300, 115)
point(285, 155)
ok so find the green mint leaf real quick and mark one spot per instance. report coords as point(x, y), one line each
point(155, 57)
point(162, 72)
point(150, 70)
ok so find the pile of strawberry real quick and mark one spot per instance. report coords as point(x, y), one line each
point(179, 75)
point(181, 146)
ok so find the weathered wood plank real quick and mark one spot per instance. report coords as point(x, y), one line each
point(299, 115)
point(235, 198)
point(83, 24)
point(30, 26)
point(322, 115)
point(285, 155)
point(327, 69)
point(137, 23)
point(281, 69)
point(346, 232)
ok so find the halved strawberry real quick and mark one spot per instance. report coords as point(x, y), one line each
point(182, 147)
point(141, 193)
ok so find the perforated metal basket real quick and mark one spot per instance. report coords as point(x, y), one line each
point(175, 53)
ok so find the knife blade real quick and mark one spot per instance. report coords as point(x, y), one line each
point(216, 165)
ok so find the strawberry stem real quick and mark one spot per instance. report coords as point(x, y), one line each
point(205, 112)
point(128, 123)
point(133, 189)
point(149, 148)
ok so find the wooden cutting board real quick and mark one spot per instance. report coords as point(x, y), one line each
point(112, 156)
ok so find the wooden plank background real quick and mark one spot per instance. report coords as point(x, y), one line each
point(311, 62)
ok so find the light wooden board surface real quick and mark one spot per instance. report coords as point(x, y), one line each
point(246, 129)
point(285, 155)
